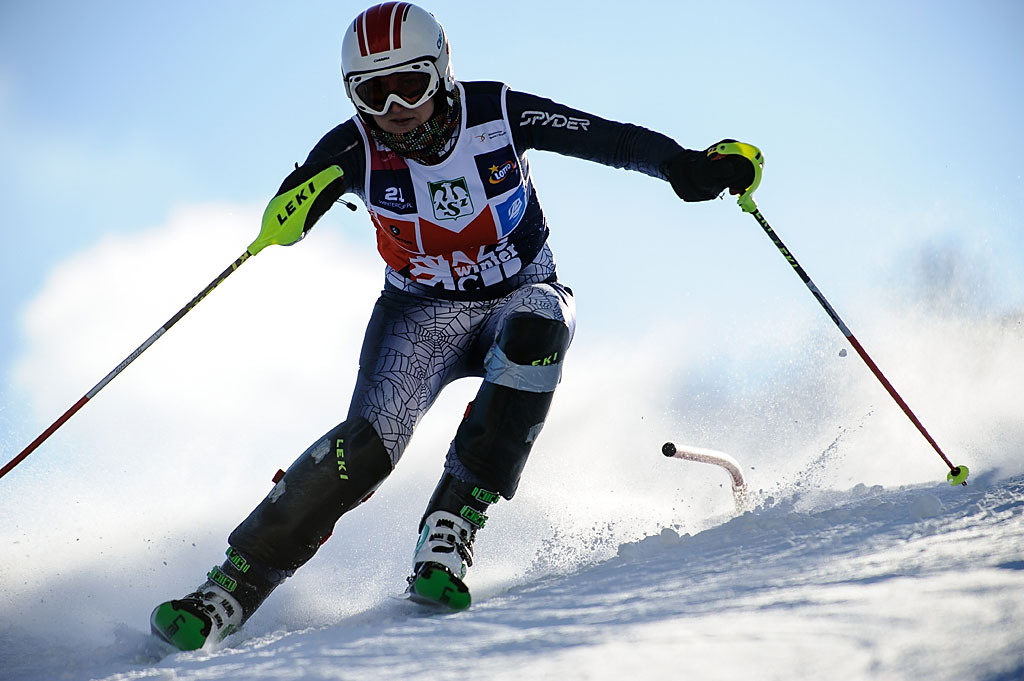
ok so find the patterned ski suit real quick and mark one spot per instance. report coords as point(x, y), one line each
point(465, 244)
point(470, 290)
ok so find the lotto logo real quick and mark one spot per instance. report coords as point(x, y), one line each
point(499, 170)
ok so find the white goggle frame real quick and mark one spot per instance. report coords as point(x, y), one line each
point(421, 66)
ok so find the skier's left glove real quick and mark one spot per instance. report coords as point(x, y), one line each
point(703, 175)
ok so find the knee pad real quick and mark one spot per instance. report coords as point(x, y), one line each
point(332, 477)
point(528, 354)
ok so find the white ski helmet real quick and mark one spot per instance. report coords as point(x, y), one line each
point(395, 52)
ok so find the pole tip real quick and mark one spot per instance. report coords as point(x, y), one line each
point(668, 449)
point(958, 476)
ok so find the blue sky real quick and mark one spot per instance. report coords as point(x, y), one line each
point(891, 133)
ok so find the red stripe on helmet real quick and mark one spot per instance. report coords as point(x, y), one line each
point(382, 27)
point(360, 28)
point(396, 24)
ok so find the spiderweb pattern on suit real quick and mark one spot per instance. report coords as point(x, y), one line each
point(415, 346)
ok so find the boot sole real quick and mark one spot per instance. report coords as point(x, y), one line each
point(180, 626)
point(435, 585)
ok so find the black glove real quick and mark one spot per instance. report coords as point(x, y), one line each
point(696, 176)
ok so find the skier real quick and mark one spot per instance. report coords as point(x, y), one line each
point(470, 290)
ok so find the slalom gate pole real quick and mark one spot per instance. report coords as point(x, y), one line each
point(123, 365)
point(957, 474)
point(285, 221)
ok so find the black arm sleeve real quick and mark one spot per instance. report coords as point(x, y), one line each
point(539, 123)
point(342, 146)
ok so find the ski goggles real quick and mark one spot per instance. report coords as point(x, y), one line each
point(409, 85)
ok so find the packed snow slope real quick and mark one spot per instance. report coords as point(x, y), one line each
point(854, 559)
point(923, 582)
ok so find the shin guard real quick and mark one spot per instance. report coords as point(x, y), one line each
point(496, 436)
point(502, 423)
point(332, 477)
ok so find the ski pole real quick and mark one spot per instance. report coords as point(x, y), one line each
point(957, 474)
point(123, 365)
point(280, 228)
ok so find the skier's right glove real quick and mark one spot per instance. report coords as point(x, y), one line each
point(703, 175)
point(293, 212)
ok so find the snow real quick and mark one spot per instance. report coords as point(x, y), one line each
point(923, 581)
point(854, 560)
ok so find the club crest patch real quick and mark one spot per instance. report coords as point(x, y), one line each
point(451, 199)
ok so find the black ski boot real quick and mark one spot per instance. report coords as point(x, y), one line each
point(445, 547)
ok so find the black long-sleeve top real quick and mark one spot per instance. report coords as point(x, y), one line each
point(535, 123)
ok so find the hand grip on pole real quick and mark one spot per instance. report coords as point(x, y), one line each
point(752, 154)
point(286, 219)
